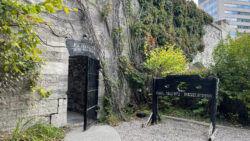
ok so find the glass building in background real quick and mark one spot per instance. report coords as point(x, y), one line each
point(236, 12)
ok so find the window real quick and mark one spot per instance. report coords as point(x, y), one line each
point(233, 33)
point(245, 0)
point(237, 6)
point(243, 27)
point(239, 26)
point(211, 8)
point(231, 19)
point(233, 26)
point(238, 20)
point(237, 13)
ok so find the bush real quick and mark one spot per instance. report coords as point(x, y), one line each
point(166, 60)
point(38, 132)
point(232, 68)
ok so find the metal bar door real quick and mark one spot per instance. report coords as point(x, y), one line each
point(91, 93)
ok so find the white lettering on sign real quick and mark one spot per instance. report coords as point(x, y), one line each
point(83, 47)
point(184, 94)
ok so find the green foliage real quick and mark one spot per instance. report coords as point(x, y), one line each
point(135, 77)
point(108, 115)
point(38, 132)
point(19, 55)
point(42, 92)
point(106, 10)
point(129, 111)
point(116, 32)
point(93, 4)
point(175, 21)
point(167, 60)
point(232, 68)
point(202, 107)
point(128, 6)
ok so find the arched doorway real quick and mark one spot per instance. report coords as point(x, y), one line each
point(82, 84)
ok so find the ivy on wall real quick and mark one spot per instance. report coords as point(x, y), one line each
point(19, 55)
point(175, 21)
point(157, 24)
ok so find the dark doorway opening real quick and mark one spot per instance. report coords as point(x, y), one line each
point(83, 90)
point(76, 89)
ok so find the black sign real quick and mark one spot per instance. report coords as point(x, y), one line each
point(185, 86)
point(81, 48)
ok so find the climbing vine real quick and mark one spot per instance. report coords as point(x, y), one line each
point(175, 21)
point(20, 57)
point(157, 25)
point(106, 10)
point(135, 77)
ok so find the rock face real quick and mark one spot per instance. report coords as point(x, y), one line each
point(213, 34)
point(86, 24)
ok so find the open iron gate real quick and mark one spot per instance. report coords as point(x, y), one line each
point(91, 92)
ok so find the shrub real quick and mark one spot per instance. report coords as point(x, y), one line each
point(38, 132)
point(166, 60)
point(232, 68)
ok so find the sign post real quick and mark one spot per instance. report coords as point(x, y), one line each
point(185, 86)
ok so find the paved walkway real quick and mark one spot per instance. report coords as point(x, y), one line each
point(167, 130)
point(174, 130)
point(94, 133)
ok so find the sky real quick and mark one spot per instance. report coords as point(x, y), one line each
point(196, 1)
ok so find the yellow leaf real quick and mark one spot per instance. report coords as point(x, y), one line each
point(6, 27)
point(40, 20)
point(66, 10)
point(75, 9)
point(17, 45)
point(49, 23)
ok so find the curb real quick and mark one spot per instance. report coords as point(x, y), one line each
point(199, 122)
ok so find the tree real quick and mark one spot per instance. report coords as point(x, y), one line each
point(232, 65)
point(19, 56)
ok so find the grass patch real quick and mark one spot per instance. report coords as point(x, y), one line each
point(38, 132)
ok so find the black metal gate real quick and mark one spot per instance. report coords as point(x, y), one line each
point(91, 93)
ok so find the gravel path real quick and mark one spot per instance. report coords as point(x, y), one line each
point(172, 130)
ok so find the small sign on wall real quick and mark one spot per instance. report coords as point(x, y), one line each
point(81, 48)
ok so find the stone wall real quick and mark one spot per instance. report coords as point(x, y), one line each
point(213, 34)
point(76, 26)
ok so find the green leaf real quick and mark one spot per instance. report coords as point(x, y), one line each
point(6, 68)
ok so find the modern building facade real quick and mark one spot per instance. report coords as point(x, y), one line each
point(236, 12)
